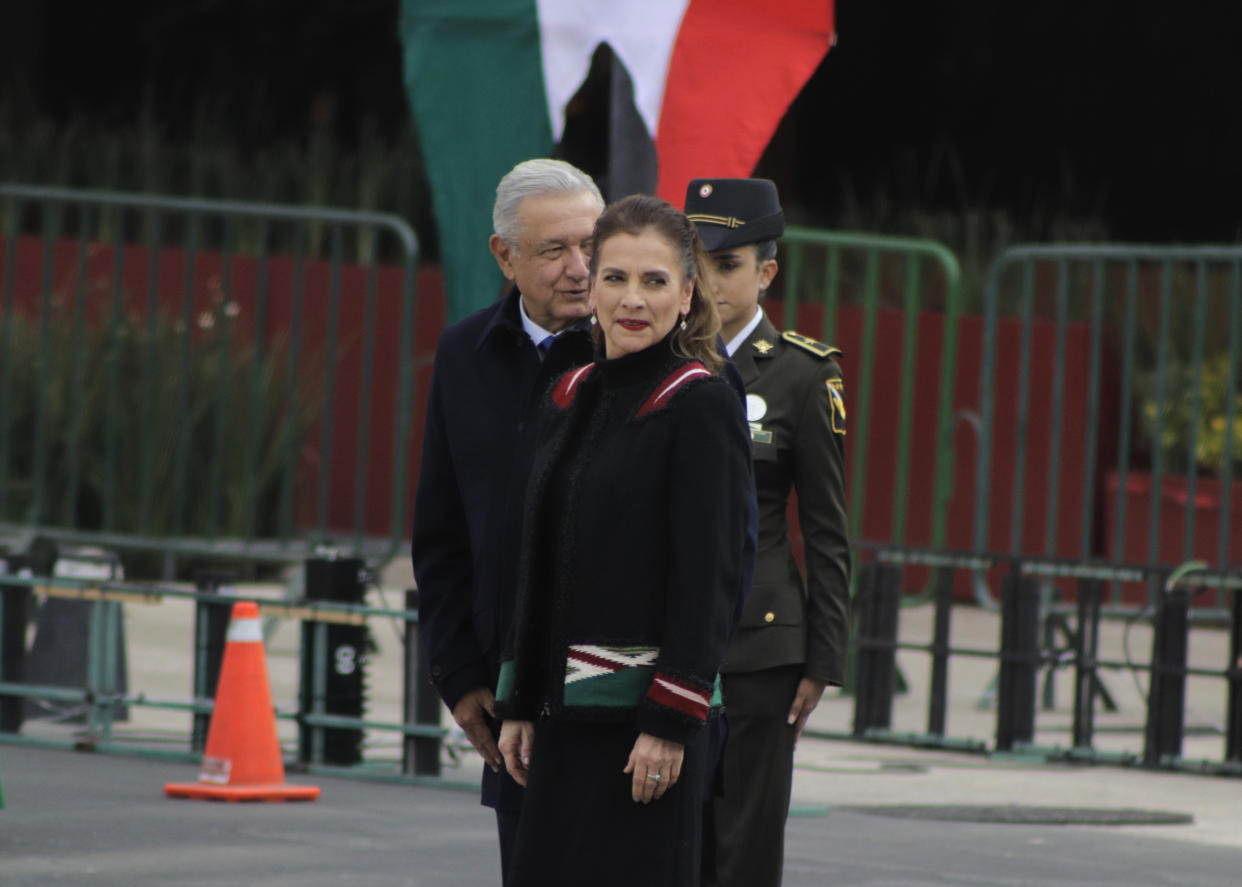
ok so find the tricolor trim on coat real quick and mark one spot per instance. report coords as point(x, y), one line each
point(680, 695)
point(604, 677)
point(565, 390)
point(607, 676)
point(671, 385)
point(587, 661)
point(504, 686)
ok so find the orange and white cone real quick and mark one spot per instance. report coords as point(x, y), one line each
point(242, 760)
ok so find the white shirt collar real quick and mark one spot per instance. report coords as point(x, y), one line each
point(736, 342)
point(535, 331)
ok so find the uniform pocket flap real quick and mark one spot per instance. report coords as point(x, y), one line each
point(772, 605)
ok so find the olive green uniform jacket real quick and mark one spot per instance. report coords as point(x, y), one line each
point(796, 411)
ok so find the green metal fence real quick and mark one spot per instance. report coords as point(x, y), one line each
point(866, 288)
point(159, 721)
point(1111, 406)
point(202, 376)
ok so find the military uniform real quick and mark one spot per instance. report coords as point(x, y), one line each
point(791, 627)
point(795, 404)
point(796, 411)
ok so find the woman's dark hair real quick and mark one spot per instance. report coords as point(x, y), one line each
point(638, 213)
point(765, 250)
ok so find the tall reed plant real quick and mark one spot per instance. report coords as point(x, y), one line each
point(144, 427)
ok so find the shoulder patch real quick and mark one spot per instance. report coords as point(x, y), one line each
point(836, 394)
point(563, 394)
point(819, 349)
point(670, 385)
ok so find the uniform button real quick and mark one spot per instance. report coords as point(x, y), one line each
point(769, 616)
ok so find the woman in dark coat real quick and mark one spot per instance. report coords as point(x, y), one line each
point(636, 521)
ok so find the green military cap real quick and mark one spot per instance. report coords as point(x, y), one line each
point(734, 212)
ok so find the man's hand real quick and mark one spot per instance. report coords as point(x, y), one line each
point(517, 738)
point(809, 692)
point(470, 714)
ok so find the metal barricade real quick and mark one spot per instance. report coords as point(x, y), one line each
point(1180, 714)
point(883, 298)
point(171, 693)
point(204, 377)
point(1111, 402)
point(1109, 421)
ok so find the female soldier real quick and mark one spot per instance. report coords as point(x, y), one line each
point(637, 515)
point(792, 639)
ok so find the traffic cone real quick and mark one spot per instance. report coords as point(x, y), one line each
point(242, 761)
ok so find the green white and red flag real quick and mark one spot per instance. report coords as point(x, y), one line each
point(489, 82)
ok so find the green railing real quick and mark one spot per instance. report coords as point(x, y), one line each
point(203, 376)
point(151, 724)
point(844, 272)
point(1130, 355)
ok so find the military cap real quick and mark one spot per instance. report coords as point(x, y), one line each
point(734, 212)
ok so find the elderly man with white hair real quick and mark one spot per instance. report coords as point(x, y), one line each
point(491, 369)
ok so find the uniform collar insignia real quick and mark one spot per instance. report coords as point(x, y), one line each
point(763, 346)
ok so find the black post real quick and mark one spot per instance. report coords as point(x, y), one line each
point(14, 617)
point(342, 656)
point(1019, 670)
point(59, 653)
point(37, 558)
point(211, 628)
point(1233, 723)
point(866, 604)
point(943, 591)
point(420, 755)
point(1086, 643)
point(1048, 699)
point(1166, 700)
point(877, 647)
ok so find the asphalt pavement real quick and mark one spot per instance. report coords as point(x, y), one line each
point(863, 814)
point(75, 818)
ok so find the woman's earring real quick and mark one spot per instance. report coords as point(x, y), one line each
point(683, 321)
point(593, 320)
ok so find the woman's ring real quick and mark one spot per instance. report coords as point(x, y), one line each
point(655, 776)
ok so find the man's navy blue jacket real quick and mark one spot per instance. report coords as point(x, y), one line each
point(478, 445)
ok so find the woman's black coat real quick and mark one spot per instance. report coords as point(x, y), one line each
point(630, 576)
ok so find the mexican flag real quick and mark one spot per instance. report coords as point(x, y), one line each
point(696, 88)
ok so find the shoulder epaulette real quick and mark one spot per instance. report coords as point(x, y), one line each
point(670, 385)
point(819, 349)
point(563, 394)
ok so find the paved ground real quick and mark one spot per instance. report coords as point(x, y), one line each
point(77, 818)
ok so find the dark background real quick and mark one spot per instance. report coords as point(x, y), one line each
point(1052, 120)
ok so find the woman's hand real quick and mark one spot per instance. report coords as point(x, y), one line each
point(810, 691)
point(517, 738)
point(655, 765)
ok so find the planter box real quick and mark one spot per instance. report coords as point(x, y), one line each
point(1204, 515)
